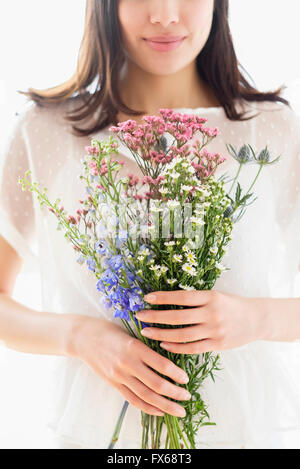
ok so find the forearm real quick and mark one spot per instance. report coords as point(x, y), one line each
point(282, 319)
point(26, 330)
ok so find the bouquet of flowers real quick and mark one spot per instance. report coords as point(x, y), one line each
point(166, 230)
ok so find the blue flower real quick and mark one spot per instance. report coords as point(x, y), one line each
point(123, 314)
point(110, 277)
point(105, 263)
point(116, 262)
point(101, 286)
point(130, 277)
point(105, 301)
point(101, 229)
point(81, 259)
point(135, 303)
point(91, 263)
point(143, 324)
point(101, 246)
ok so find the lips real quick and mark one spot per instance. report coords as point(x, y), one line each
point(165, 45)
point(164, 38)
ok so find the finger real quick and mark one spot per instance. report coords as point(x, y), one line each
point(179, 297)
point(159, 384)
point(163, 365)
point(174, 316)
point(134, 400)
point(184, 334)
point(202, 346)
point(153, 398)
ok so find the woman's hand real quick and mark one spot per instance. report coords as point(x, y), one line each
point(220, 320)
point(124, 362)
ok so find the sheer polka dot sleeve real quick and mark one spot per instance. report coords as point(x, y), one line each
point(17, 218)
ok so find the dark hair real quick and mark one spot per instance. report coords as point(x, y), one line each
point(101, 58)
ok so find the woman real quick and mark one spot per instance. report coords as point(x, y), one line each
point(255, 399)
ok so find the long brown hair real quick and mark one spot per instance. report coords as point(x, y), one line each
point(101, 58)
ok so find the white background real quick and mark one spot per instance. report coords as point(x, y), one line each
point(39, 43)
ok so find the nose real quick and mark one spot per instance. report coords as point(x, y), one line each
point(164, 12)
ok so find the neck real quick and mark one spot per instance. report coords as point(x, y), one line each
point(148, 93)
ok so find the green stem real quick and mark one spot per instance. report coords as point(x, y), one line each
point(237, 175)
point(261, 166)
point(117, 430)
point(181, 434)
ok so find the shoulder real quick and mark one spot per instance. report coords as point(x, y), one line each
point(274, 115)
point(33, 116)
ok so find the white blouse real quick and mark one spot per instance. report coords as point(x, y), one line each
point(255, 400)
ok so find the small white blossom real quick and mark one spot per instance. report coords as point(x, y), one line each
point(197, 220)
point(213, 250)
point(220, 266)
point(186, 287)
point(199, 211)
point(171, 281)
point(173, 203)
point(155, 267)
point(169, 243)
point(186, 188)
point(125, 180)
point(164, 190)
point(156, 209)
point(174, 175)
point(144, 252)
point(177, 257)
point(191, 257)
point(189, 269)
point(191, 170)
point(200, 282)
point(164, 269)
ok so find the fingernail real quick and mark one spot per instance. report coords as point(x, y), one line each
point(146, 332)
point(186, 395)
point(150, 297)
point(181, 412)
point(185, 379)
point(165, 346)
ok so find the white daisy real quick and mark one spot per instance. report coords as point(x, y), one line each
point(191, 257)
point(189, 269)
